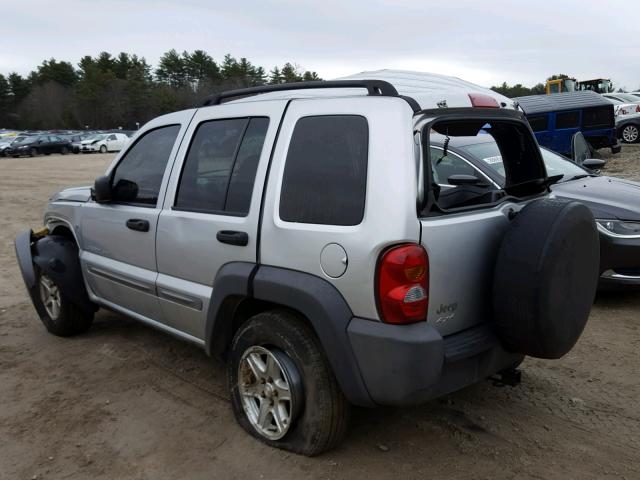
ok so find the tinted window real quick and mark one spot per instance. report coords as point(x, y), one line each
point(138, 176)
point(246, 164)
point(221, 165)
point(538, 124)
point(325, 175)
point(598, 117)
point(568, 120)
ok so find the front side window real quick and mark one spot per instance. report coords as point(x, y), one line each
point(138, 176)
point(220, 167)
point(325, 174)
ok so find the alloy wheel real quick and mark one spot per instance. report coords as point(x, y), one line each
point(267, 383)
point(50, 296)
point(630, 134)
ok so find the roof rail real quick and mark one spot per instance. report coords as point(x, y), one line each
point(378, 88)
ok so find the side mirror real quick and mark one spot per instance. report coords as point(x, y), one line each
point(593, 163)
point(101, 191)
point(580, 148)
point(464, 179)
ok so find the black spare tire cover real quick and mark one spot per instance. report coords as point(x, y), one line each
point(546, 277)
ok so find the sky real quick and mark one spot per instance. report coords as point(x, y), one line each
point(483, 41)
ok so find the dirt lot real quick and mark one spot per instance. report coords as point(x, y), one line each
point(127, 402)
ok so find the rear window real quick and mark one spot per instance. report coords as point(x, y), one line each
point(600, 117)
point(539, 123)
point(325, 175)
point(567, 120)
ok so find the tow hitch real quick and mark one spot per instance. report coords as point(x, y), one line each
point(511, 377)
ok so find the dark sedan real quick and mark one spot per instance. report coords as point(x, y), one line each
point(615, 202)
point(39, 144)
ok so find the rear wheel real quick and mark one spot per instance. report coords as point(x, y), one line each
point(64, 151)
point(630, 133)
point(283, 390)
point(63, 318)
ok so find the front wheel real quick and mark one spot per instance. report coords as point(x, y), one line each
point(283, 390)
point(63, 318)
point(630, 133)
point(103, 149)
point(33, 152)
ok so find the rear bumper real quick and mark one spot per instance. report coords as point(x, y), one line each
point(411, 364)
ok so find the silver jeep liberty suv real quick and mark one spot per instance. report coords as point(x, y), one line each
point(300, 233)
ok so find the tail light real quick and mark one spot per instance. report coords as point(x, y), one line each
point(403, 284)
point(482, 100)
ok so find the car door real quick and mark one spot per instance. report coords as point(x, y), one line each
point(566, 126)
point(118, 238)
point(55, 145)
point(111, 143)
point(212, 206)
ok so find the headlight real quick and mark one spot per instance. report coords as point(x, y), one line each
point(618, 228)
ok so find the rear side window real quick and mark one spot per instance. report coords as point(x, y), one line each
point(220, 167)
point(600, 117)
point(138, 176)
point(325, 175)
point(567, 120)
point(539, 123)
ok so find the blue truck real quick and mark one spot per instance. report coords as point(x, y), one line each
point(555, 118)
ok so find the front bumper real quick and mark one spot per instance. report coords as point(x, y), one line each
point(619, 262)
point(89, 148)
point(411, 364)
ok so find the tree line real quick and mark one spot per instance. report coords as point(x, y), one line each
point(109, 91)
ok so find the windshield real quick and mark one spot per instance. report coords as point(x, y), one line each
point(489, 154)
point(95, 136)
point(627, 97)
point(26, 140)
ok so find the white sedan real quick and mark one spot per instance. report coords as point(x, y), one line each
point(624, 103)
point(104, 142)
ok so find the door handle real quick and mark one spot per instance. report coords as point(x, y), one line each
point(233, 237)
point(138, 224)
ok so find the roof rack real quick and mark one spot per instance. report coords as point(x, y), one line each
point(378, 88)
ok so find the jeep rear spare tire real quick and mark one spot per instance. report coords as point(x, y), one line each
point(546, 277)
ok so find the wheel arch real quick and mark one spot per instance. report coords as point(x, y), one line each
point(241, 290)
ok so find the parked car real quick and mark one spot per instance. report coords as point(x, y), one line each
point(76, 141)
point(5, 142)
point(39, 144)
point(614, 202)
point(104, 142)
point(556, 118)
point(628, 127)
point(299, 237)
point(622, 108)
point(636, 94)
point(622, 97)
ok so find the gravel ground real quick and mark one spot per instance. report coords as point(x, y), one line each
point(127, 402)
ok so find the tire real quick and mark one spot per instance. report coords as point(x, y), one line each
point(318, 412)
point(67, 319)
point(545, 278)
point(33, 152)
point(103, 149)
point(630, 133)
point(64, 151)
